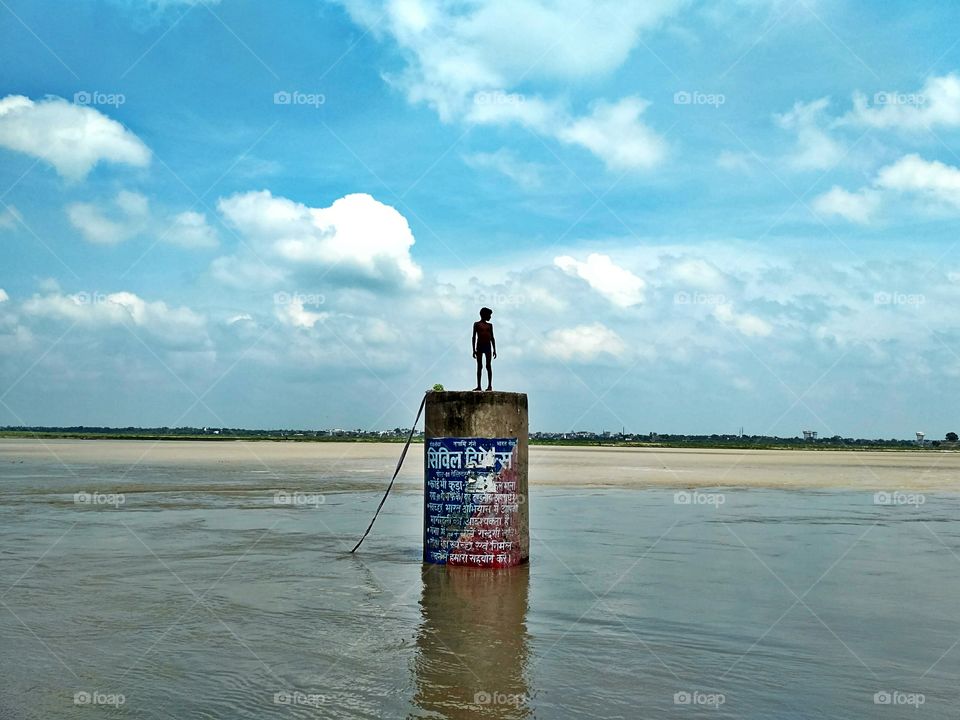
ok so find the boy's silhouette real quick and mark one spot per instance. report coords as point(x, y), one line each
point(483, 344)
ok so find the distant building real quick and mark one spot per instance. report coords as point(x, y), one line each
point(809, 434)
point(920, 436)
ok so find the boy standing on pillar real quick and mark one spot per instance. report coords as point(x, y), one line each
point(484, 343)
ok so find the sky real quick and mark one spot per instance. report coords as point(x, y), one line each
point(687, 216)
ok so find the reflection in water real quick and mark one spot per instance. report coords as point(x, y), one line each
point(472, 645)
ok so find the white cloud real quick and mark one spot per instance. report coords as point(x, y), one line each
point(70, 137)
point(246, 272)
point(815, 148)
point(696, 272)
point(931, 179)
point(130, 217)
point(858, 207)
point(456, 49)
point(618, 285)
point(498, 107)
point(583, 343)
point(525, 174)
point(745, 323)
point(614, 133)
point(937, 104)
point(176, 327)
point(356, 235)
point(934, 183)
point(3, 295)
point(190, 230)
point(465, 58)
point(293, 313)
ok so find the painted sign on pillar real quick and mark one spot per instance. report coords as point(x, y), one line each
point(471, 504)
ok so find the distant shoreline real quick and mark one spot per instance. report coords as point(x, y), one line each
point(693, 444)
point(104, 465)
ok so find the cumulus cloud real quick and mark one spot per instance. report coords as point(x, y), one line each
point(815, 148)
point(130, 213)
point(614, 133)
point(176, 327)
point(929, 178)
point(453, 50)
point(936, 104)
point(498, 107)
point(463, 60)
point(525, 174)
point(294, 313)
point(190, 230)
point(857, 207)
point(618, 285)
point(583, 343)
point(745, 323)
point(249, 271)
point(934, 184)
point(3, 295)
point(356, 236)
point(696, 272)
point(72, 138)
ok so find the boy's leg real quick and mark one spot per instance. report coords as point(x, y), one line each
point(479, 369)
point(489, 371)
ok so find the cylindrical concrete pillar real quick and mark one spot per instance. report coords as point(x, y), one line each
point(475, 509)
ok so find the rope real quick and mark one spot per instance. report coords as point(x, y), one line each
point(395, 473)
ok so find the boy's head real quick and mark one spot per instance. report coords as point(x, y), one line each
point(485, 313)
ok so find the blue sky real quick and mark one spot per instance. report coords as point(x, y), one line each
point(687, 216)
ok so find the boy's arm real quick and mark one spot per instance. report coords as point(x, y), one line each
point(493, 341)
point(473, 340)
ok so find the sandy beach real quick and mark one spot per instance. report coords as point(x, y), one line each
point(549, 466)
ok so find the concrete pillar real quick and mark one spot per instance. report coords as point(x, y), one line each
point(475, 509)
